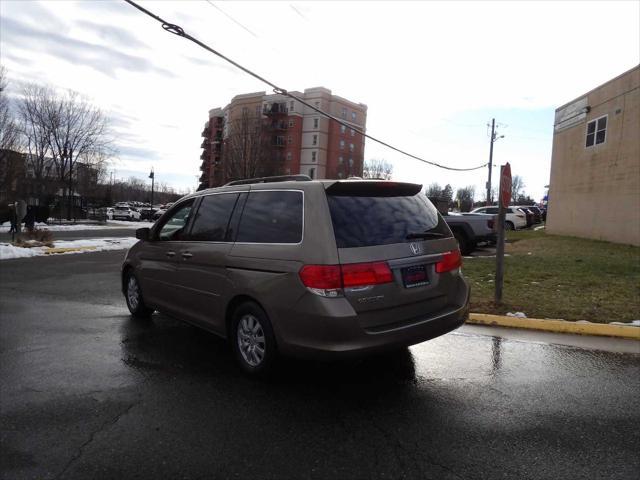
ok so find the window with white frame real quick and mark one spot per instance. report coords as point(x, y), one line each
point(343, 129)
point(289, 156)
point(353, 132)
point(341, 144)
point(315, 140)
point(316, 122)
point(353, 116)
point(289, 140)
point(351, 162)
point(596, 131)
point(351, 147)
point(314, 156)
point(344, 112)
point(291, 123)
point(340, 175)
point(340, 160)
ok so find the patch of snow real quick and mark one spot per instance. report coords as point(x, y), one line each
point(96, 245)
point(517, 314)
point(8, 252)
point(541, 227)
point(633, 323)
point(53, 227)
point(125, 223)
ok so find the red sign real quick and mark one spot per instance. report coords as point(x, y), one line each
point(505, 185)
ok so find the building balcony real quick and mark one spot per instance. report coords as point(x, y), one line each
point(278, 142)
point(278, 126)
point(204, 144)
point(275, 109)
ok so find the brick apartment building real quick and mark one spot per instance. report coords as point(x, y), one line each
point(259, 134)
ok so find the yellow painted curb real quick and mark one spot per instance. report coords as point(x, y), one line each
point(50, 251)
point(559, 326)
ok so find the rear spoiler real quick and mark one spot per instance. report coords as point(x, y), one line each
point(373, 188)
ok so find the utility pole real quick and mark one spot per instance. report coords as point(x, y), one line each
point(494, 138)
point(152, 177)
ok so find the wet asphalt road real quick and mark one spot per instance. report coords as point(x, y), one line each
point(88, 393)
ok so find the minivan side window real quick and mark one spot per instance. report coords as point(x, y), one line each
point(212, 218)
point(272, 217)
point(173, 228)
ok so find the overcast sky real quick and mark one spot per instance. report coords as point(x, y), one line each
point(432, 74)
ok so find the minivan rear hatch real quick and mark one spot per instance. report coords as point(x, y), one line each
point(398, 257)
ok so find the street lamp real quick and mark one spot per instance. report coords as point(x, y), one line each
point(152, 177)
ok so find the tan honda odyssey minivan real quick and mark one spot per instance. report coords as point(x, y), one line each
point(293, 266)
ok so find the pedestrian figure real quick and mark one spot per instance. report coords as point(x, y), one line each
point(13, 219)
point(30, 219)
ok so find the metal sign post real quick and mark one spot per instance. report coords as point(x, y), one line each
point(504, 200)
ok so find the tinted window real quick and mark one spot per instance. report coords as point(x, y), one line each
point(271, 217)
point(212, 219)
point(492, 210)
point(362, 221)
point(173, 228)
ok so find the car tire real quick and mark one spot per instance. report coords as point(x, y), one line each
point(133, 296)
point(509, 226)
point(466, 247)
point(253, 340)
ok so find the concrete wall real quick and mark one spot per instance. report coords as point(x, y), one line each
point(595, 191)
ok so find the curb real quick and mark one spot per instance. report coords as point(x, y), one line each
point(54, 250)
point(558, 326)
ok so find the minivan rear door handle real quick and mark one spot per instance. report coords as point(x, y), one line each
point(187, 255)
point(171, 254)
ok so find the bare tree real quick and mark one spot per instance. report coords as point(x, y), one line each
point(9, 134)
point(34, 128)
point(376, 168)
point(250, 151)
point(464, 197)
point(434, 191)
point(517, 187)
point(77, 131)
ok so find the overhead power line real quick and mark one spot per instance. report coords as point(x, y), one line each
point(179, 31)
point(231, 18)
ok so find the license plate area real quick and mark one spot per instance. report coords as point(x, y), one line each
point(415, 276)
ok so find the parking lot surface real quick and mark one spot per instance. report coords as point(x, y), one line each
point(87, 392)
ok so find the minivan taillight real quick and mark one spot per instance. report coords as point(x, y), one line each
point(329, 280)
point(450, 261)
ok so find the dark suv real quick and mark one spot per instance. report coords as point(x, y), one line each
point(299, 267)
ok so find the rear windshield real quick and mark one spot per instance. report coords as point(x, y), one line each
point(363, 221)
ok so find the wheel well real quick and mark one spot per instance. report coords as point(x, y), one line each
point(231, 307)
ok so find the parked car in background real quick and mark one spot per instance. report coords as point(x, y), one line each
point(537, 213)
point(321, 268)
point(125, 213)
point(471, 229)
point(514, 218)
point(528, 215)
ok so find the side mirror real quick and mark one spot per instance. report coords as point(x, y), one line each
point(143, 234)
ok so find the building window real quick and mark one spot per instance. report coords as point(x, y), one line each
point(596, 131)
point(289, 140)
point(351, 162)
point(315, 140)
point(316, 122)
point(341, 144)
point(344, 112)
point(314, 155)
point(291, 106)
point(312, 173)
point(289, 156)
point(340, 175)
point(343, 129)
point(291, 123)
point(257, 110)
point(340, 160)
point(317, 104)
point(353, 132)
point(353, 116)
point(351, 147)
point(245, 111)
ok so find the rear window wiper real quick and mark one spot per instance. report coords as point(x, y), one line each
point(411, 236)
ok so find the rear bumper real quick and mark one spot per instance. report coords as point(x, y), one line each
point(340, 336)
point(491, 238)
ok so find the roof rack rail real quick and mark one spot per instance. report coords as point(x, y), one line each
point(279, 178)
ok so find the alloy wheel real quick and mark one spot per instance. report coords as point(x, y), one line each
point(251, 341)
